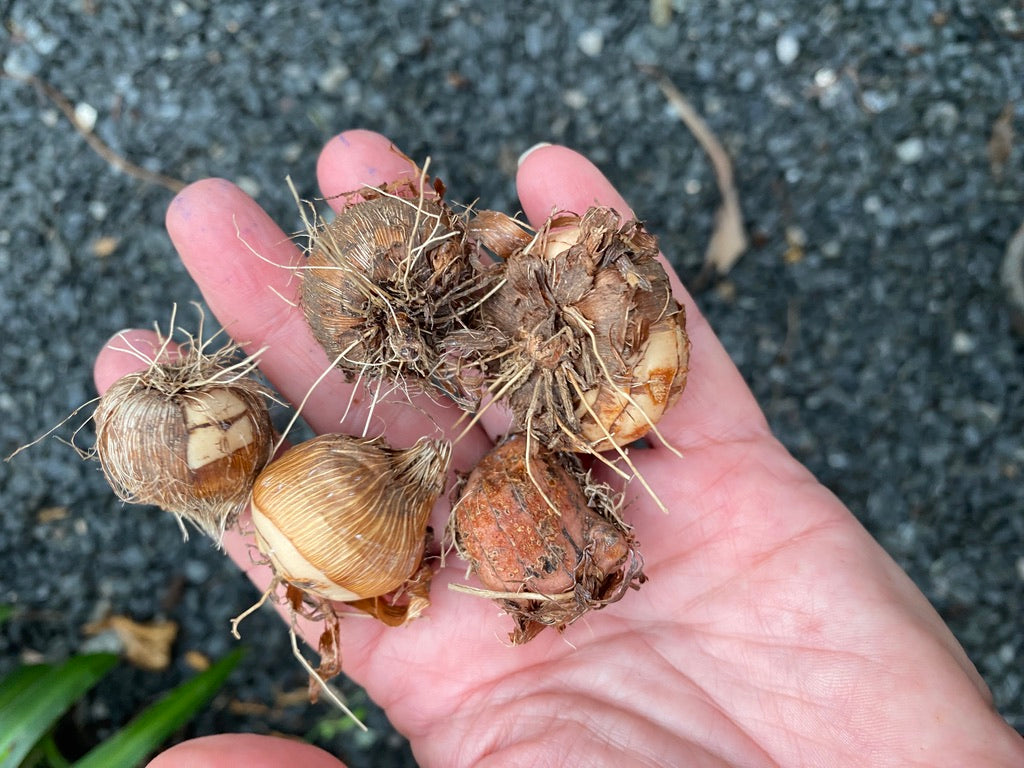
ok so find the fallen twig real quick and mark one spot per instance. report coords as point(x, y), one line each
point(1000, 143)
point(95, 142)
point(729, 239)
point(661, 12)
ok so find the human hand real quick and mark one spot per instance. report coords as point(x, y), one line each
point(773, 629)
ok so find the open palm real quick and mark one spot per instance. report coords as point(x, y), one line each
point(772, 631)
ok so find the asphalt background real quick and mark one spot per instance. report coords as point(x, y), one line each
point(867, 316)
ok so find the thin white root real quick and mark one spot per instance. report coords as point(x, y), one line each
point(493, 595)
point(251, 610)
point(57, 426)
point(582, 323)
point(305, 398)
point(624, 455)
point(335, 699)
point(496, 392)
point(529, 472)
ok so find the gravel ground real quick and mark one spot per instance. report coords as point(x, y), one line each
point(867, 317)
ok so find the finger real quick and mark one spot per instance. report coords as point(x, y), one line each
point(126, 352)
point(245, 267)
point(716, 405)
point(360, 158)
point(243, 750)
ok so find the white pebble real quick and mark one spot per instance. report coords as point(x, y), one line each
point(963, 343)
point(591, 41)
point(333, 77)
point(787, 48)
point(98, 210)
point(838, 460)
point(1012, 22)
point(21, 62)
point(85, 116)
point(249, 185)
point(575, 98)
point(910, 150)
point(1006, 653)
point(878, 101)
point(825, 77)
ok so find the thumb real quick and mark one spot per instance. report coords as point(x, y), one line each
point(243, 750)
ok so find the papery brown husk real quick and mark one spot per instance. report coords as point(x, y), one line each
point(142, 437)
point(536, 524)
point(346, 518)
point(387, 280)
point(579, 304)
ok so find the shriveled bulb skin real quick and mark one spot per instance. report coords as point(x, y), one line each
point(525, 525)
point(193, 450)
point(598, 344)
point(346, 518)
point(517, 540)
point(385, 282)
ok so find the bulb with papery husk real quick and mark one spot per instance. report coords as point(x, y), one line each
point(188, 435)
point(582, 340)
point(387, 280)
point(346, 519)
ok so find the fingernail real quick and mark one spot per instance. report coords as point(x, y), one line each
point(531, 150)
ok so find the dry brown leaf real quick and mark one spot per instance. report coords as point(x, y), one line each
point(726, 290)
point(1000, 143)
point(197, 660)
point(251, 708)
point(294, 697)
point(146, 645)
point(104, 246)
point(51, 514)
point(729, 239)
point(661, 12)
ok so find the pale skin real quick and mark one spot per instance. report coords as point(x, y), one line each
point(773, 631)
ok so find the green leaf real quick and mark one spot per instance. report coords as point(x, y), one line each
point(39, 697)
point(146, 732)
point(6, 611)
point(17, 681)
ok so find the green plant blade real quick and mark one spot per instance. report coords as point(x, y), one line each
point(41, 698)
point(6, 611)
point(18, 680)
point(147, 731)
